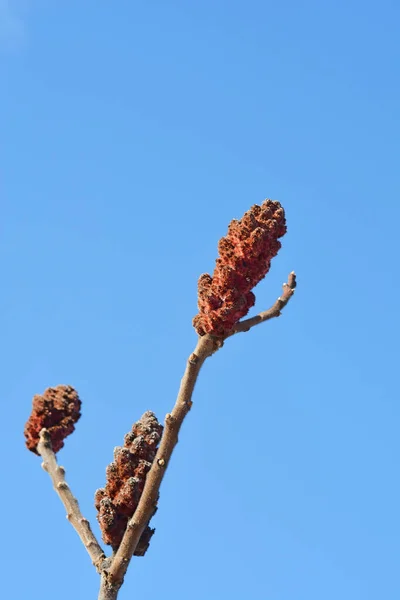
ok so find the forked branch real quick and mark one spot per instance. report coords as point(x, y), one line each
point(206, 346)
point(224, 298)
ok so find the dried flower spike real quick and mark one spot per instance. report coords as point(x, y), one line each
point(57, 411)
point(126, 477)
point(245, 256)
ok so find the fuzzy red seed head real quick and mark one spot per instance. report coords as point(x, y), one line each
point(57, 410)
point(126, 477)
point(245, 256)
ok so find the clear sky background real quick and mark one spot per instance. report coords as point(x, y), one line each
point(131, 134)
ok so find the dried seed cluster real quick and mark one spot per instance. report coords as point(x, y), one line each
point(125, 477)
point(57, 410)
point(245, 256)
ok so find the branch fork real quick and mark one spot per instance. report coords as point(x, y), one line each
point(113, 569)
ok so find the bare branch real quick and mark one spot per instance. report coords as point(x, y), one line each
point(274, 311)
point(206, 346)
point(74, 515)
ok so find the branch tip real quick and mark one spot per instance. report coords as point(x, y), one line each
point(274, 311)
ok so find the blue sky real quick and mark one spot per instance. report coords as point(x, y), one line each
point(131, 134)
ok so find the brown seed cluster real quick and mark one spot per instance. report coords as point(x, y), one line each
point(57, 410)
point(245, 256)
point(126, 477)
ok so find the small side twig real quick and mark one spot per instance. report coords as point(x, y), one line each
point(274, 311)
point(74, 515)
point(206, 346)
